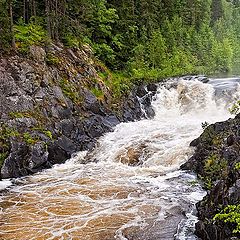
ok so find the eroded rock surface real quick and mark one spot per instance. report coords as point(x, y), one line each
point(48, 109)
point(215, 160)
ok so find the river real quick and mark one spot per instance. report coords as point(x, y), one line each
point(132, 189)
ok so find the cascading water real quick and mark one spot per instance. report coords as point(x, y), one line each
point(133, 188)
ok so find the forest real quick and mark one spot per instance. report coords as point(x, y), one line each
point(100, 65)
point(141, 39)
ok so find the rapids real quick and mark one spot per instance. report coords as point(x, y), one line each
point(132, 189)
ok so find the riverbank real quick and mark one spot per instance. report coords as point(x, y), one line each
point(131, 186)
point(217, 163)
point(55, 102)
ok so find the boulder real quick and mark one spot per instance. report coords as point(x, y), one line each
point(51, 103)
point(216, 154)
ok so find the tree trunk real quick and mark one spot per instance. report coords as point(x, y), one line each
point(11, 25)
point(26, 16)
point(24, 11)
point(33, 8)
point(56, 21)
point(47, 9)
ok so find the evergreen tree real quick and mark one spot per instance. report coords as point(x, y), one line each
point(158, 37)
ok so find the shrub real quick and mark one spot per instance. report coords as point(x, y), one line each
point(30, 34)
point(70, 91)
point(97, 92)
point(230, 214)
point(52, 59)
point(3, 156)
point(235, 109)
point(29, 139)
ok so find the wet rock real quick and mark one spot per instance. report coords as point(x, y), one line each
point(132, 109)
point(229, 154)
point(92, 104)
point(221, 177)
point(141, 91)
point(152, 88)
point(155, 230)
point(96, 125)
point(65, 127)
point(230, 140)
point(86, 142)
point(61, 150)
point(150, 112)
point(52, 104)
point(203, 79)
point(14, 166)
point(132, 156)
point(195, 142)
point(112, 120)
point(38, 156)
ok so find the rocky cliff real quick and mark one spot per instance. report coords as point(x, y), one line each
point(217, 163)
point(53, 103)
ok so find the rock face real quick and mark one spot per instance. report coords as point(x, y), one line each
point(48, 109)
point(215, 161)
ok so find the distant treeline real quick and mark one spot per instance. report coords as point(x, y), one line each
point(146, 38)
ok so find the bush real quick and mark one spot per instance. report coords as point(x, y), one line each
point(230, 214)
point(30, 34)
point(52, 59)
point(97, 92)
point(235, 109)
point(3, 156)
point(69, 40)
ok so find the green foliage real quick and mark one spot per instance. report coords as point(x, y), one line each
point(29, 34)
point(104, 52)
point(3, 156)
point(214, 168)
point(69, 40)
point(148, 39)
point(48, 134)
point(14, 115)
point(230, 214)
point(52, 59)
point(70, 91)
point(209, 134)
point(223, 55)
point(121, 84)
point(97, 92)
point(102, 35)
point(7, 133)
point(235, 109)
point(5, 34)
point(157, 50)
point(237, 166)
point(29, 139)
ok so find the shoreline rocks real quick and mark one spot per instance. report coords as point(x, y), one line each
point(48, 109)
point(215, 159)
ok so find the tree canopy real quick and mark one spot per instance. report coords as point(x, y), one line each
point(146, 38)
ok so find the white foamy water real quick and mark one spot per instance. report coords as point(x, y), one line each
point(134, 188)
